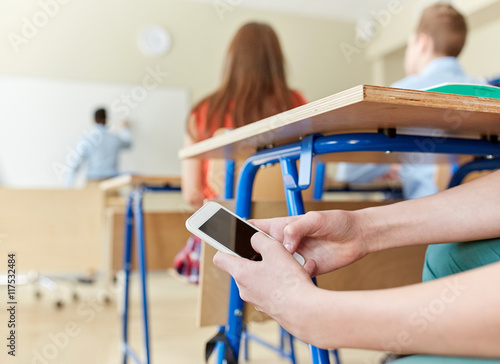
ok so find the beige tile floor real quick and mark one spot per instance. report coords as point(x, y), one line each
point(88, 331)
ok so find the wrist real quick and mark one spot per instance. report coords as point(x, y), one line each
point(303, 320)
point(321, 312)
point(373, 229)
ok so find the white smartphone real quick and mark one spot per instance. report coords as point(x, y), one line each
point(226, 232)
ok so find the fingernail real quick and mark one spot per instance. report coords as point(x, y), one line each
point(288, 247)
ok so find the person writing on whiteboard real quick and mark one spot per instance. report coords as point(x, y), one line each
point(101, 149)
point(430, 60)
point(253, 87)
point(454, 313)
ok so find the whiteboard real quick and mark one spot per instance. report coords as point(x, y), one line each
point(42, 121)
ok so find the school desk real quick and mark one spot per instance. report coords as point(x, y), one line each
point(134, 221)
point(363, 124)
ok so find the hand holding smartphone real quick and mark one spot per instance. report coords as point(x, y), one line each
point(226, 232)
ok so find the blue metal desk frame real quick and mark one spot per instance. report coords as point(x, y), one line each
point(297, 180)
point(134, 220)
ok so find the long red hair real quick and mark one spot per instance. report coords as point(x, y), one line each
point(254, 83)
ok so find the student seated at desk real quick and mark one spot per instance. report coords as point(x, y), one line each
point(253, 87)
point(450, 314)
point(101, 149)
point(430, 59)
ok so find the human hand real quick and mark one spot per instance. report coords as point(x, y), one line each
point(331, 239)
point(276, 285)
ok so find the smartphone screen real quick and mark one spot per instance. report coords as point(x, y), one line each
point(231, 232)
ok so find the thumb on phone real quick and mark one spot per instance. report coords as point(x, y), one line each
point(261, 243)
point(228, 263)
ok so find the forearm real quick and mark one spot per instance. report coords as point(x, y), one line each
point(465, 213)
point(456, 315)
point(126, 137)
point(69, 176)
point(359, 172)
point(191, 185)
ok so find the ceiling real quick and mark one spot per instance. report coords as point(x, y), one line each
point(345, 10)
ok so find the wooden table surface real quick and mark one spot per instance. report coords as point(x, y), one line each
point(135, 180)
point(359, 109)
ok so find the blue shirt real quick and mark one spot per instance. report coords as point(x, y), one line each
point(439, 70)
point(101, 149)
point(417, 179)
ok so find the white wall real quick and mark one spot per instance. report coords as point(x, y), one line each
point(96, 40)
point(482, 53)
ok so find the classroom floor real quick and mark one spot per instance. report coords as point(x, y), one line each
point(88, 331)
